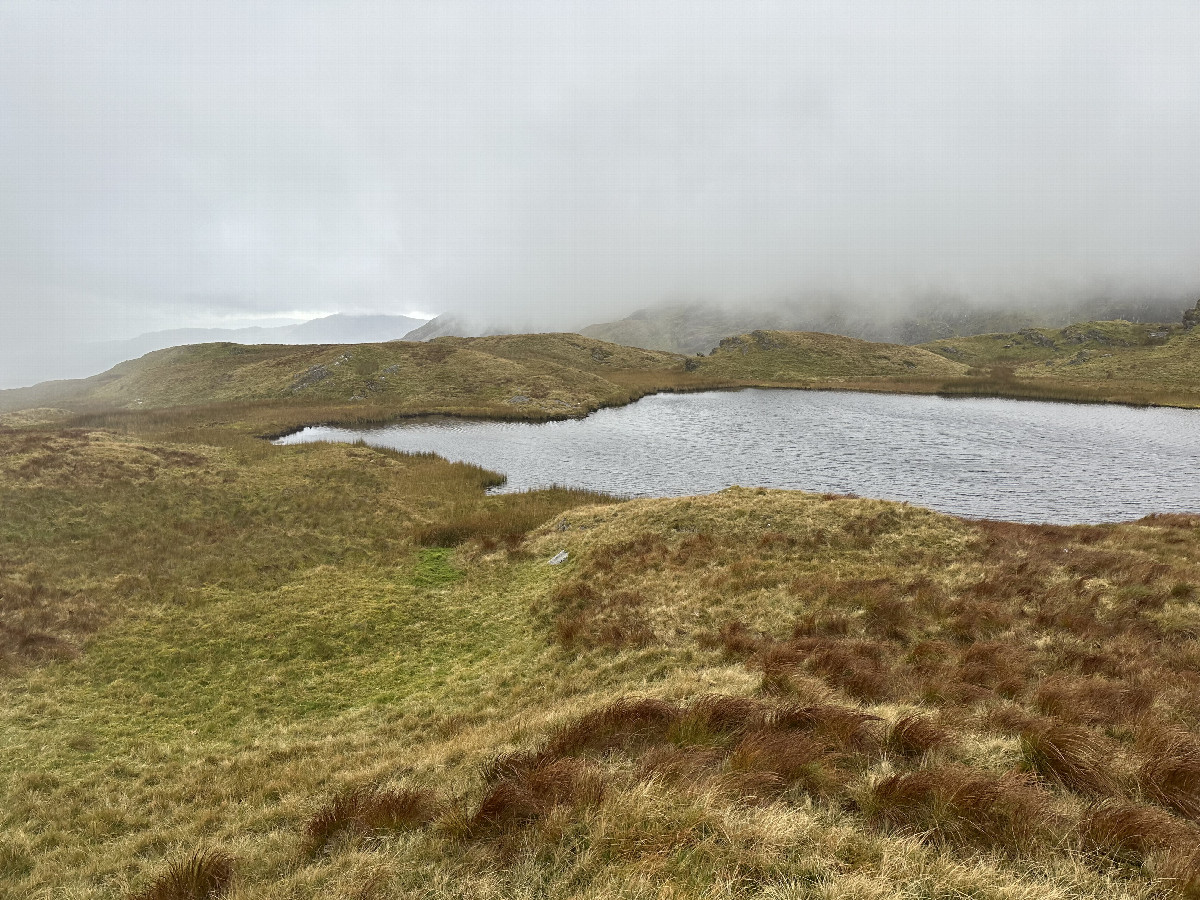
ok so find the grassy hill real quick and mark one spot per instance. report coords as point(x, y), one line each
point(699, 327)
point(781, 357)
point(334, 671)
point(1056, 345)
point(273, 388)
point(1091, 361)
point(514, 376)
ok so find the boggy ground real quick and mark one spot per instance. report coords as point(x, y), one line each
point(331, 671)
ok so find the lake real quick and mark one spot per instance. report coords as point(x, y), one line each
point(1017, 460)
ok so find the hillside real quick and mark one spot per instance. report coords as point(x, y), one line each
point(699, 327)
point(1093, 360)
point(450, 325)
point(323, 671)
point(523, 376)
point(690, 328)
point(335, 329)
point(334, 671)
point(274, 388)
point(778, 357)
point(1056, 346)
point(75, 360)
point(1174, 364)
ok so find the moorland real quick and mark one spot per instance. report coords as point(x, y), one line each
point(237, 669)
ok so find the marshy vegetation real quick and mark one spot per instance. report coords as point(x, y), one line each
point(233, 669)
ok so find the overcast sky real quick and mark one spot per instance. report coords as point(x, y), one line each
point(561, 163)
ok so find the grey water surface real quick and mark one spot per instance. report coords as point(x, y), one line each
point(1003, 459)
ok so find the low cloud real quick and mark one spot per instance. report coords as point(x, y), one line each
point(556, 163)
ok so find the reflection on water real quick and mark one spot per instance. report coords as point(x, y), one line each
point(1005, 459)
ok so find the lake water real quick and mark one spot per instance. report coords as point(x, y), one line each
point(1003, 459)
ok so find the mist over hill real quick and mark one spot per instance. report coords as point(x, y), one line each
point(178, 167)
point(699, 327)
point(79, 360)
point(454, 325)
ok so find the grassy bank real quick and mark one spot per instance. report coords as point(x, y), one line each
point(340, 671)
point(336, 671)
point(1117, 362)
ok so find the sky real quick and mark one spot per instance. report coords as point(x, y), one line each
point(553, 164)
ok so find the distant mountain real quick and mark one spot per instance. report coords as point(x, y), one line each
point(82, 360)
point(698, 328)
point(452, 325)
point(335, 329)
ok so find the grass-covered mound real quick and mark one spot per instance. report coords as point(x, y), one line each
point(785, 357)
point(515, 376)
point(535, 377)
point(1094, 361)
point(332, 671)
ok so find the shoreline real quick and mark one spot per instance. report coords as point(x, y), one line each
point(947, 391)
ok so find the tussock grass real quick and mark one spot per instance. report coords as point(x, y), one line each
point(1074, 757)
point(503, 520)
point(528, 793)
point(1130, 832)
point(1094, 700)
point(623, 724)
point(837, 726)
point(367, 809)
point(916, 735)
point(725, 715)
point(960, 807)
point(1170, 774)
point(205, 875)
point(782, 757)
point(706, 698)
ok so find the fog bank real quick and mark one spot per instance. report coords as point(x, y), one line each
point(194, 165)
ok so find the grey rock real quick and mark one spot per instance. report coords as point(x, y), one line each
point(1036, 337)
point(309, 378)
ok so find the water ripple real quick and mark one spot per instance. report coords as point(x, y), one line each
point(1005, 459)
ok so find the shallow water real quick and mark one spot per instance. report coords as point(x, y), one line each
point(1003, 459)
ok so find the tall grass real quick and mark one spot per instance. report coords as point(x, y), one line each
point(743, 689)
point(504, 519)
point(205, 875)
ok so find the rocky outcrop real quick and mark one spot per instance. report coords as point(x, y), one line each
point(1035, 337)
point(309, 378)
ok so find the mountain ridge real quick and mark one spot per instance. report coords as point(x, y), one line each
point(72, 361)
point(699, 327)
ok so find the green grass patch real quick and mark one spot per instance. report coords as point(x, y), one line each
point(435, 568)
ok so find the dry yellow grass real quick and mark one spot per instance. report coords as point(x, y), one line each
point(783, 357)
point(337, 671)
point(265, 637)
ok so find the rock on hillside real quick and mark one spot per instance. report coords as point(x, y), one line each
point(1046, 345)
point(783, 357)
